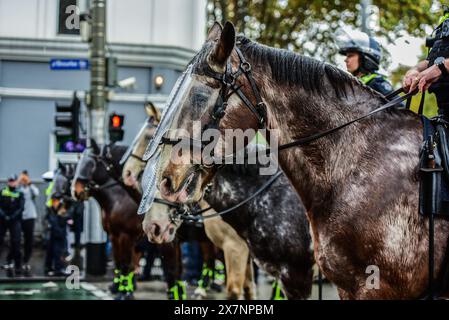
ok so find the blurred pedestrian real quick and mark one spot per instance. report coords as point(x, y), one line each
point(76, 215)
point(30, 192)
point(12, 203)
point(57, 223)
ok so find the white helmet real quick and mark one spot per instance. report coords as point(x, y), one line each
point(48, 176)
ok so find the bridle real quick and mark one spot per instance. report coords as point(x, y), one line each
point(228, 88)
point(185, 213)
point(113, 179)
point(130, 153)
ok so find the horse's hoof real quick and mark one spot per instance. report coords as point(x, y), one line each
point(216, 287)
point(128, 296)
point(113, 288)
point(120, 296)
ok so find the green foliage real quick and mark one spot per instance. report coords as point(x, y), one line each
point(308, 26)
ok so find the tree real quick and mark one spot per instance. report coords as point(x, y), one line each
point(308, 26)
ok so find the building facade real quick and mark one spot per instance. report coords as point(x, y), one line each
point(149, 38)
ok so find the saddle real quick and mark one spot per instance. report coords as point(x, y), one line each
point(434, 189)
point(434, 168)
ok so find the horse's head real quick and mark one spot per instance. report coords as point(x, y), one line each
point(133, 164)
point(158, 224)
point(63, 178)
point(221, 95)
point(93, 169)
point(61, 183)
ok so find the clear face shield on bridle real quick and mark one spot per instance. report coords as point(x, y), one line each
point(153, 152)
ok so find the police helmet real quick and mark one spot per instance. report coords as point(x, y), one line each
point(57, 195)
point(368, 48)
point(12, 177)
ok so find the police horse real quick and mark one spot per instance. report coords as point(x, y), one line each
point(351, 156)
point(239, 276)
point(98, 175)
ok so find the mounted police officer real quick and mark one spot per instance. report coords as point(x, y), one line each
point(432, 73)
point(363, 55)
point(12, 203)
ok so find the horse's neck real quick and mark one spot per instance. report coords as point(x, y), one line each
point(316, 168)
point(108, 197)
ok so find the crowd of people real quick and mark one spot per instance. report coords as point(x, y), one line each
point(18, 215)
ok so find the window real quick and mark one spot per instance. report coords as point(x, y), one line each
point(68, 17)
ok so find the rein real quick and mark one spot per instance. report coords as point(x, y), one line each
point(195, 216)
point(228, 80)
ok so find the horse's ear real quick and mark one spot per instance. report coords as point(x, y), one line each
point(223, 48)
point(152, 111)
point(94, 146)
point(214, 32)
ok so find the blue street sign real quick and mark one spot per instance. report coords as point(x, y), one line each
point(69, 64)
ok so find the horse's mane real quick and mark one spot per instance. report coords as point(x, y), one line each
point(288, 67)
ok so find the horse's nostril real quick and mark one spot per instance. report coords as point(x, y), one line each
point(171, 230)
point(157, 230)
point(128, 173)
point(168, 184)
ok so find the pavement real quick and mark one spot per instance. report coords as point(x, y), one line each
point(93, 288)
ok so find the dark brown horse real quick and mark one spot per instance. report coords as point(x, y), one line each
point(98, 175)
point(359, 185)
point(133, 167)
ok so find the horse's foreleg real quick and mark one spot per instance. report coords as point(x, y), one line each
point(136, 256)
point(125, 252)
point(345, 295)
point(170, 262)
point(249, 285)
point(208, 252)
point(236, 255)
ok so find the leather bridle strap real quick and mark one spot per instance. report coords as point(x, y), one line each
point(316, 136)
point(228, 80)
point(196, 215)
point(132, 155)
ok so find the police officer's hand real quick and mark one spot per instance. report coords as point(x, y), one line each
point(408, 79)
point(424, 79)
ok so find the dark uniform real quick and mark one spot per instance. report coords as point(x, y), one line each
point(377, 82)
point(12, 203)
point(76, 213)
point(56, 245)
point(440, 48)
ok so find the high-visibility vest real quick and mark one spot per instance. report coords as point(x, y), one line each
point(6, 192)
point(368, 77)
point(48, 194)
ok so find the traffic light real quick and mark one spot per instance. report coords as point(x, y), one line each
point(116, 127)
point(67, 123)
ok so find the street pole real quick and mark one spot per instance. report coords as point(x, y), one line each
point(96, 238)
point(365, 8)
